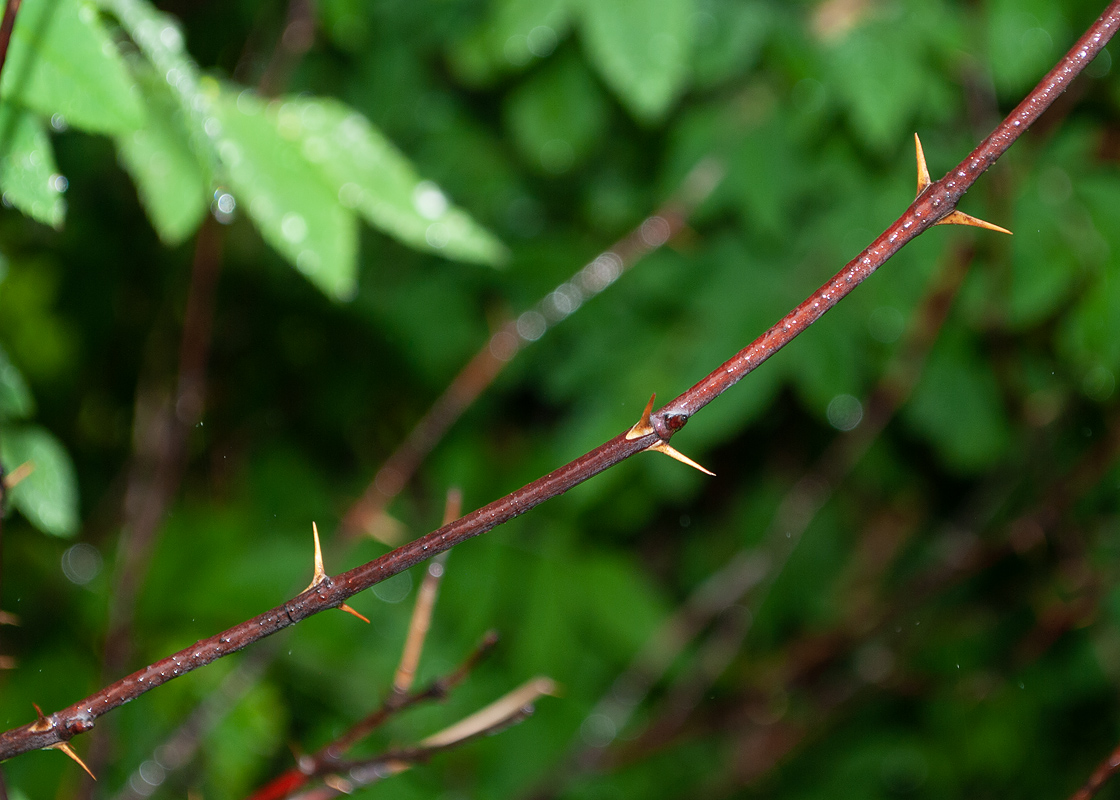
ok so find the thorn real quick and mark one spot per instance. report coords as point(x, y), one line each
point(923, 170)
point(956, 217)
point(18, 474)
point(672, 452)
point(349, 610)
point(68, 750)
point(643, 427)
point(42, 724)
point(319, 574)
point(961, 218)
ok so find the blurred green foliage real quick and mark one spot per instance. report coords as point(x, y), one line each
point(947, 626)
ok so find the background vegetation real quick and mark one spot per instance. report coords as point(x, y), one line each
point(945, 627)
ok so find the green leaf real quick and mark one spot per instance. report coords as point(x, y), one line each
point(728, 38)
point(48, 497)
point(173, 185)
point(63, 61)
point(558, 115)
point(296, 210)
point(956, 406)
point(16, 401)
point(365, 172)
point(517, 33)
point(29, 178)
point(641, 48)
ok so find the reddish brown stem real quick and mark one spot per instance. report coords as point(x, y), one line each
point(7, 25)
point(1101, 775)
point(936, 202)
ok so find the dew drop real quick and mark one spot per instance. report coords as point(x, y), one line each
point(429, 201)
point(293, 227)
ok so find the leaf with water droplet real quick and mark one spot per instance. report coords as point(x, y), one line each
point(295, 207)
point(369, 175)
point(641, 48)
point(171, 181)
point(27, 167)
point(63, 61)
point(48, 496)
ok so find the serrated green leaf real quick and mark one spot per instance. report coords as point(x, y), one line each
point(368, 174)
point(295, 208)
point(29, 178)
point(16, 401)
point(63, 61)
point(48, 497)
point(172, 184)
point(641, 48)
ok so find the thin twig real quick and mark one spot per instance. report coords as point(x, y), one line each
point(1101, 775)
point(327, 757)
point(510, 709)
point(425, 603)
point(936, 202)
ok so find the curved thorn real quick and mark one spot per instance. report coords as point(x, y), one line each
point(672, 452)
point(642, 427)
point(923, 170)
point(349, 610)
point(320, 574)
point(68, 750)
point(961, 218)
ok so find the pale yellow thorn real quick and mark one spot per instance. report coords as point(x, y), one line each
point(956, 217)
point(961, 218)
point(672, 452)
point(68, 750)
point(320, 573)
point(923, 170)
point(643, 427)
